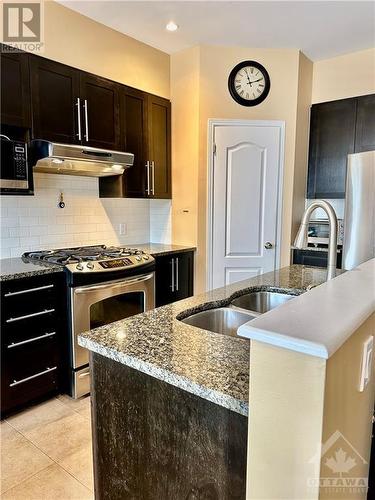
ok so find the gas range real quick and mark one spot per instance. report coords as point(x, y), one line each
point(104, 284)
point(93, 259)
point(96, 263)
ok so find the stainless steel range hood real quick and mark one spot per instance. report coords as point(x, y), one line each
point(55, 158)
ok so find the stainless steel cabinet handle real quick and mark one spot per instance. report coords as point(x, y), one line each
point(153, 177)
point(148, 178)
point(177, 276)
point(85, 107)
point(78, 104)
point(17, 382)
point(173, 277)
point(16, 344)
point(10, 294)
point(32, 315)
point(268, 245)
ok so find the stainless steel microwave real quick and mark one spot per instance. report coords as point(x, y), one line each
point(15, 172)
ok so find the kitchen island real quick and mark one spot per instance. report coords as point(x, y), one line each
point(170, 401)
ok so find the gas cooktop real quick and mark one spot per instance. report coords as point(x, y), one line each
point(92, 259)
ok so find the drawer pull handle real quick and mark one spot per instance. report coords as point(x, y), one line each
point(46, 311)
point(17, 382)
point(10, 294)
point(16, 344)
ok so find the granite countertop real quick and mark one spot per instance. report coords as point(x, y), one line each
point(17, 267)
point(210, 365)
point(159, 249)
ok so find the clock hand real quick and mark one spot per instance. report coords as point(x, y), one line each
point(248, 78)
point(259, 79)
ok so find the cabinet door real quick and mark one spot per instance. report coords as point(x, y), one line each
point(15, 90)
point(163, 280)
point(310, 258)
point(159, 141)
point(332, 131)
point(314, 258)
point(100, 112)
point(134, 127)
point(365, 125)
point(183, 275)
point(174, 277)
point(54, 94)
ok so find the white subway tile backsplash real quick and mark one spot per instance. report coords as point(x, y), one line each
point(36, 222)
point(19, 231)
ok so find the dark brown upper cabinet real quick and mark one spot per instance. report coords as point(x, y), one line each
point(100, 107)
point(15, 90)
point(332, 131)
point(146, 132)
point(133, 117)
point(159, 144)
point(134, 125)
point(63, 104)
point(55, 101)
point(365, 124)
point(338, 128)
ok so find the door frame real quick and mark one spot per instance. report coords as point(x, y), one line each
point(213, 123)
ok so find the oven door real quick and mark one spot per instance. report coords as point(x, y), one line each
point(97, 305)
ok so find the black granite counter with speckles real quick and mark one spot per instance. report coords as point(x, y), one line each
point(18, 268)
point(212, 366)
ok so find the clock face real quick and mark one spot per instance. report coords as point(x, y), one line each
point(249, 83)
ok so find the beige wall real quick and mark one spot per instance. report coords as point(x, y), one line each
point(297, 402)
point(185, 145)
point(285, 423)
point(348, 410)
point(208, 68)
point(305, 73)
point(78, 41)
point(345, 76)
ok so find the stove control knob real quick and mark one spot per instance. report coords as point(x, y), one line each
point(79, 267)
point(146, 257)
point(138, 258)
point(90, 265)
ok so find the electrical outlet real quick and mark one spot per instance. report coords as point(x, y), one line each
point(122, 229)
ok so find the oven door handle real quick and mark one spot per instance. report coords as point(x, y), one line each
point(113, 285)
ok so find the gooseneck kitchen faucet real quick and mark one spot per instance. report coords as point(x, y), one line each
point(301, 239)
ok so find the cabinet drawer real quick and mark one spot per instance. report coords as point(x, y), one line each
point(27, 360)
point(18, 395)
point(21, 330)
point(24, 301)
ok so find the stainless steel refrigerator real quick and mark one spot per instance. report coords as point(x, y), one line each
point(359, 216)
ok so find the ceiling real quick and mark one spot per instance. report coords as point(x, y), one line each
point(321, 29)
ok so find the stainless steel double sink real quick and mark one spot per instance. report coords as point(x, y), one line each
point(228, 319)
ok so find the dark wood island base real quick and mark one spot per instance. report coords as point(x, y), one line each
point(154, 441)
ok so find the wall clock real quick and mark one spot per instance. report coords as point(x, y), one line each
point(249, 83)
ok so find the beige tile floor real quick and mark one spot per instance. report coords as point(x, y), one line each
point(46, 452)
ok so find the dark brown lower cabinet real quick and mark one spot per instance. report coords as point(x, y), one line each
point(155, 441)
point(174, 277)
point(33, 324)
point(314, 258)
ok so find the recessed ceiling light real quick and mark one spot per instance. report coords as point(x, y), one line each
point(171, 26)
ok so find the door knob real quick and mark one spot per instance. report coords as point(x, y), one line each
point(268, 245)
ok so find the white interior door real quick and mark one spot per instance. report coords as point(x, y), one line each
point(245, 200)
